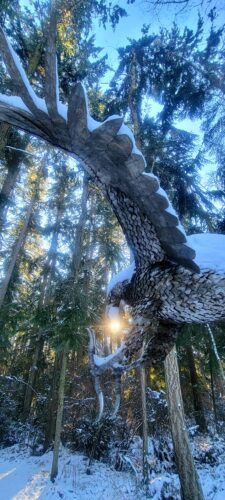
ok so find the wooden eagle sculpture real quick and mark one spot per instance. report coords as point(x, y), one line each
point(166, 288)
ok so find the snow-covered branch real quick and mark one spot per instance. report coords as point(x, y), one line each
point(107, 362)
point(113, 362)
point(31, 100)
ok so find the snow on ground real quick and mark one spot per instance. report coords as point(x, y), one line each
point(25, 477)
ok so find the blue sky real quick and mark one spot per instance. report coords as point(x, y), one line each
point(141, 13)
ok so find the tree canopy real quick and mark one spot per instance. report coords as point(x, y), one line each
point(60, 240)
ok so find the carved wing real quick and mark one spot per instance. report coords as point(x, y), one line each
point(108, 153)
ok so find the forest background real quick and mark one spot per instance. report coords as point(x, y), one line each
point(60, 242)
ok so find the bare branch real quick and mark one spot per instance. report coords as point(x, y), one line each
point(22, 151)
point(98, 366)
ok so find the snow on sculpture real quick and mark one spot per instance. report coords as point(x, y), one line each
point(166, 286)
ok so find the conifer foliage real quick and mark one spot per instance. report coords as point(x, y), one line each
point(61, 243)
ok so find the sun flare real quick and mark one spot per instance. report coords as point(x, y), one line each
point(115, 325)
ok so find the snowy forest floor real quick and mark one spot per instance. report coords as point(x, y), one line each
point(23, 476)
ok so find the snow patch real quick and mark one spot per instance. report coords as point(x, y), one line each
point(210, 250)
point(112, 312)
point(91, 123)
point(28, 477)
point(15, 101)
point(39, 103)
point(101, 361)
point(124, 275)
point(210, 254)
point(169, 209)
point(125, 130)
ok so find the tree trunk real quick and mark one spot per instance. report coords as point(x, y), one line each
point(14, 166)
point(50, 265)
point(144, 424)
point(218, 360)
point(76, 261)
point(118, 389)
point(78, 244)
point(213, 389)
point(48, 274)
point(21, 237)
point(54, 470)
point(32, 378)
point(95, 375)
point(52, 405)
point(8, 186)
point(15, 252)
point(189, 481)
point(196, 390)
point(4, 131)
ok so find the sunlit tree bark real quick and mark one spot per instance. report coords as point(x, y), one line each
point(189, 481)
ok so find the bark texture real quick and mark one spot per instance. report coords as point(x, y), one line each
point(32, 378)
point(4, 131)
point(78, 243)
point(58, 427)
point(52, 404)
point(189, 481)
point(15, 252)
point(144, 424)
point(8, 186)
